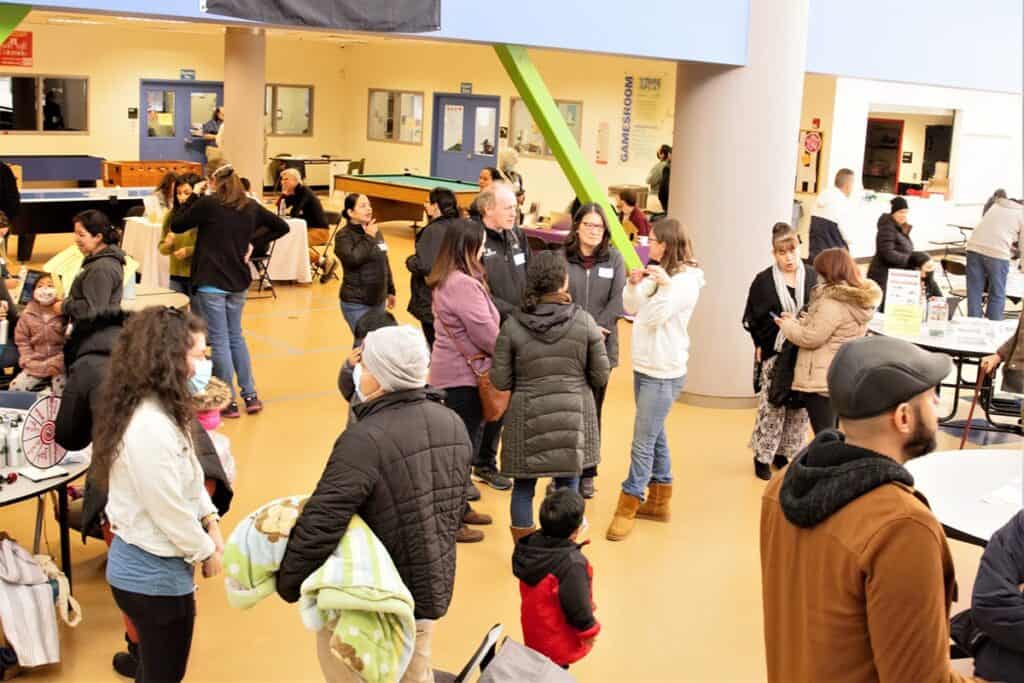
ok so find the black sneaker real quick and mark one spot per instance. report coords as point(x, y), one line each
point(490, 476)
point(231, 412)
point(127, 663)
point(780, 461)
point(762, 470)
point(329, 272)
point(472, 492)
point(253, 404)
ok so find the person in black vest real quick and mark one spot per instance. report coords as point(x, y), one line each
point(831, 216)
point(403, 468)
point(779, 432)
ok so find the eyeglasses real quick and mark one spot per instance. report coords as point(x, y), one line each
point(592, 226)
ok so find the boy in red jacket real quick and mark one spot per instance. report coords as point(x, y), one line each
point(555, 583)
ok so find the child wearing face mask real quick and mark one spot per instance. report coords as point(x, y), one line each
point(209, 397)
point(39, 336)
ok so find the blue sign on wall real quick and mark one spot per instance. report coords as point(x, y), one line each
point(188, 74)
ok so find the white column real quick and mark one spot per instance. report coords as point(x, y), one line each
point(245, 62)
point(733, 174)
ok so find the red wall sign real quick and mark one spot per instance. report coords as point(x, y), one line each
point(17, 49)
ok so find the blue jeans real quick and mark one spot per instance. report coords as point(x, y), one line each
point(649, 459)
point(522, 498)
point(223, 315)
point(354, 312)
point(983, 269)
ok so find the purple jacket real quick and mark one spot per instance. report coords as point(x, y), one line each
point(463, 304)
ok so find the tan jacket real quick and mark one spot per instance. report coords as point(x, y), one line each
point(837, 314)
point(861, 597)
point(1012, 351)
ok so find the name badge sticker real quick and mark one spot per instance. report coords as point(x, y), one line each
point(519, 259)
point(382, 246)
point(606, 273)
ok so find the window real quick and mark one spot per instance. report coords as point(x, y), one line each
point(288, 110)
point(44, 103)
point(526, 136)
point(395, 116)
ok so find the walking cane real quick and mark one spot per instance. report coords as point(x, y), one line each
point(974, 403)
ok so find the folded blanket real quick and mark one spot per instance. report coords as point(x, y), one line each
point(357, 594)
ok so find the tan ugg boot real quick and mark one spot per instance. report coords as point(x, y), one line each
point(656, 507)
point(520, 532)
point(625, 517)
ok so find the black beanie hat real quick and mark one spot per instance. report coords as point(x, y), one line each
point(897, 204)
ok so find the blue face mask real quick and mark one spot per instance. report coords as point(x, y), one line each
point(204, 371)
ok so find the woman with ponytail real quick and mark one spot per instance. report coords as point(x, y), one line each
point(661, 298)
point(551, 354)
point(98, 287)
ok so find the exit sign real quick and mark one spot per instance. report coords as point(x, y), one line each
point(188, 74)
point(466, 88)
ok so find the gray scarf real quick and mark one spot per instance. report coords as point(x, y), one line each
point(782, 291)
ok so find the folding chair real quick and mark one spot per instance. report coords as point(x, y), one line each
point(262, 266)
point(322, 260)
point(483, 655)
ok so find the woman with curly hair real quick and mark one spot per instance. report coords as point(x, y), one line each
point(551, 354)
point(159, 511)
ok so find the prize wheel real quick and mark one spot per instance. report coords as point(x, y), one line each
point(37, 434)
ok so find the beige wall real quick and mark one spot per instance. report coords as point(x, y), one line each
point(430, 68)
point(819, 96)
point(129, 55)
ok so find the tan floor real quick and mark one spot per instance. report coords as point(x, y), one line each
point(678, 602)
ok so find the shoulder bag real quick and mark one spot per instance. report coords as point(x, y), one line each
point(493, 401)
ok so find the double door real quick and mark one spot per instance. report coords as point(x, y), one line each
point(465, 136)
point(171, 116)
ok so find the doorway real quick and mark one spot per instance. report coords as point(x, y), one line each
point(465, 136)
point(170, 113)
point(883, 147)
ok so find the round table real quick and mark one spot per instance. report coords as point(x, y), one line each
point(973, 493)
point(26, 489)
point(146, 297)
point(966, 341)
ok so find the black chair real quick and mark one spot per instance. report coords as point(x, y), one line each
point(262, 265)
point(322, 269)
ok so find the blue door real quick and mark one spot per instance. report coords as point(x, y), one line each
point(465, 136)
point(169, 112)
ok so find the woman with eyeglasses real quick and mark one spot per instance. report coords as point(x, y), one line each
point(597, 274)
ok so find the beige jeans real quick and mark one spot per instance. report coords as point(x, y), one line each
point(337, 671)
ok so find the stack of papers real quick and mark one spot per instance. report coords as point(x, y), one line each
point(36, 474)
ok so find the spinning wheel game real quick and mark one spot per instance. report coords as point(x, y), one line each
point(37, 434)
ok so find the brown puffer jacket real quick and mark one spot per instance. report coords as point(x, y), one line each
point(550, 359)
point(40, 340)
point(403, 468)
point(838, 313)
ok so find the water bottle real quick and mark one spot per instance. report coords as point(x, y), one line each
point(15, 457)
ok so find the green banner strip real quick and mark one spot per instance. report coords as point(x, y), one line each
point(563, 145)
point(10, 17)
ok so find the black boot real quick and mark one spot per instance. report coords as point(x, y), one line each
point(762, 470)
point(127, 663)
point(780, 461)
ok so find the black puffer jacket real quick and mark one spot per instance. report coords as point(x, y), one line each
point(402, 468)
point(428, 245)
point(998, 605)
point(367, 273)
point(99, 287)
point(550, 358)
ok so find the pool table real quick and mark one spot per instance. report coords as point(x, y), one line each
point(400, 197)
point(49, 211)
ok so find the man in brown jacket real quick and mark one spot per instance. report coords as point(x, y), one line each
point(857, 578)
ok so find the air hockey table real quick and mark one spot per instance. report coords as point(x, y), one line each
point(52, 211)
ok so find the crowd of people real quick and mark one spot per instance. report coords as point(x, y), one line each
point(503, 384)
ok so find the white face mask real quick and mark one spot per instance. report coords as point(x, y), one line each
point(44, 295)
point(357, 376)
